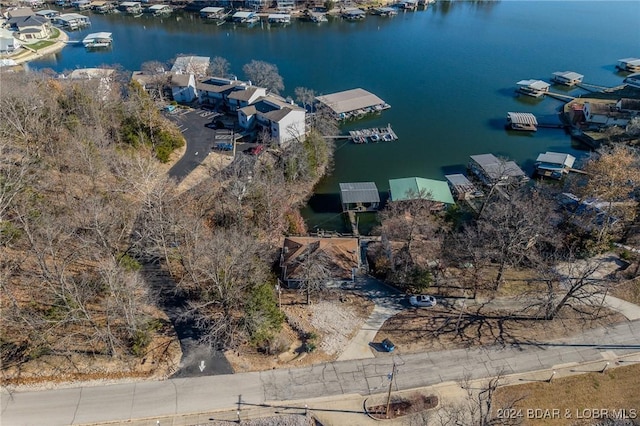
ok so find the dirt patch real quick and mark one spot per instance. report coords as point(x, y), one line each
point(442, 328)
point(401, 406)
point(617, 390)
point(327, 325)
point(628, 290)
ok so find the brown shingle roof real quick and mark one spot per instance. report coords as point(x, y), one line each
point(342, 255)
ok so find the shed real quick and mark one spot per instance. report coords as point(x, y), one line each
point(349, 101)
point(568, 78)
point(359, 196)
point(522, 121)
point(415, 187)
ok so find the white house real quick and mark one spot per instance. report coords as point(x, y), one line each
point(215, 90)
point(604, 114)
point(284, 121)
point(30, 28)
point(8, 43)
point(183, 88)
point(243, 96)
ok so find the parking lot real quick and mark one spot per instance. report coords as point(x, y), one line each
point(199, 129)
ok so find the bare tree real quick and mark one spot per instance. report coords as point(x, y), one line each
point(306, 97)
point(219, 67)
point(265, 75)
point(314, 267)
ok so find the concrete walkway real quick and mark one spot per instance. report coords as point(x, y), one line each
point(388, 302)
point(628, 309)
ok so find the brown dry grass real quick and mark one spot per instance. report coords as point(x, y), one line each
point(628, 290)
point(247, 358)
point(416, 330)
point(616, 389)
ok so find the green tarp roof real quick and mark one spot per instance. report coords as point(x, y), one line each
point(409, 188)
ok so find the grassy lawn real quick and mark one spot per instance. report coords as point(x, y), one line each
point(41, 44)
point(55, 33)
point(574, 400)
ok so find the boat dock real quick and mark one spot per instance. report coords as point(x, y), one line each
point(373, 135)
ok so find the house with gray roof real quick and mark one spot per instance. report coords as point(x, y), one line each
point(183, 88)
point(285, 121)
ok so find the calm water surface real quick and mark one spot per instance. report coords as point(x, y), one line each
point(449, 73)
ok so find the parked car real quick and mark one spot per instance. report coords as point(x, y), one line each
point(256, 150)
point(422, 301)
point(223, 146)
point(388, 345)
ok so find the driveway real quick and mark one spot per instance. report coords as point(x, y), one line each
point(200, 138)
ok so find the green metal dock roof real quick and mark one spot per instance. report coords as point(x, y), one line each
point(403, 189)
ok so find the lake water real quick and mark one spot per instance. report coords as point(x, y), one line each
point(448, 72)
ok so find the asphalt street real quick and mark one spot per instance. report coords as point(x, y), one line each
point(124, 402)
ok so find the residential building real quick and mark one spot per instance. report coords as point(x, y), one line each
point(31, 28)
point(183, 88)
point(339, 256)
point(284, 121)
point(215, 90)
point(8, 43)
point(244, 95)
point(196, 65)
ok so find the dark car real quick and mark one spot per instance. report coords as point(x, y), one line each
point(388, 345)
point(222, 146)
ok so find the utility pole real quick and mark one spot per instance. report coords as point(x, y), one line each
point(391, 377)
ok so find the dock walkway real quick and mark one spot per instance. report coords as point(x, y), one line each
point(373, 135)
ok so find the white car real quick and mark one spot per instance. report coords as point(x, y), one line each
point(422, 301)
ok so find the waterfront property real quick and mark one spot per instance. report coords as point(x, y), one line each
point(130, 7)
point(72, 21)
point(373, 135)
point(462, 187)
point(98, 80)
point(385, 11)
point(629, 64)
point(491, 170)
point(213, 13)
point(30, 28)
point(102, 6)
point(534, 88)
point(353, 14)
point(554, 164)
point(352, 103)
point(8, 43)
point(359, 196)
point(339, 256)
point(416, 188)
point(317, 17)
point(98, 40)
point(244, 17)
point(279, 18)
point(629, 106)
point(81, 4)
point(284, 121)
point(48, 13)
point(604, 114)
point(568, 78)
point(160, 10)
point(183, 88)
point(522, 121)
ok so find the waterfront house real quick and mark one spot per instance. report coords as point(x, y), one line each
point(160, 10)
point(462, 187)
point(629, 106)
point(257, 4)
point(31, 28)
point(130, 7)
point(522, 121)
point(604, 114)
point(72, 21)
point(629, 64)
point(359, 196)
point(633, 80)
point(196, 65)
point(340, 257)
point(568, 78)
point(284, 121)
point(385, 11)
point(285, 5)
point(415, 188)
point(34, 4)
point(491, 170)
point(99, 80)
point(352, 103)
point(353, 14)
point(554, 164)
point(102, 6)
point(279, 18)
point(8, 43)
point(183, 88)
point(534, 88)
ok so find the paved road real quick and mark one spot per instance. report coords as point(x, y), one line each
point(123, 402)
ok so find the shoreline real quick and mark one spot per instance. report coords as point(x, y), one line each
point(30, 55)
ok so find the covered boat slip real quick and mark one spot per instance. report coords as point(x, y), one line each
point(568, 78)
point(96, 40)
point(554, 164)
point(354, 102)
point(534, 88)
point(522, 121)
point(359, 196)
point(279, 18)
